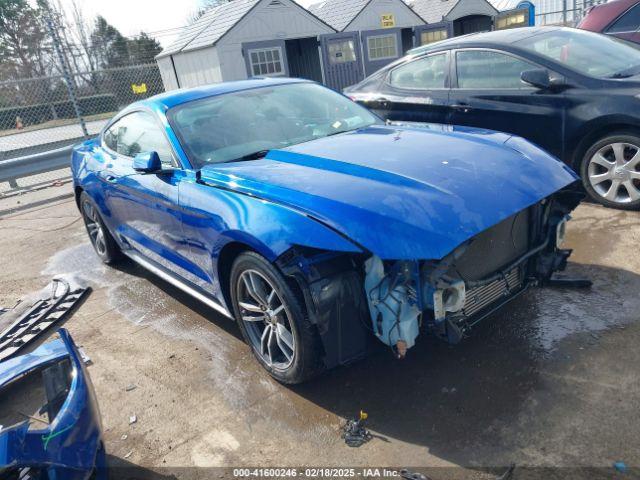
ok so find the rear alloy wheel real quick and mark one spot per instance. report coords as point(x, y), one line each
point(273, 321)
point(102, 241)
point(611, 172)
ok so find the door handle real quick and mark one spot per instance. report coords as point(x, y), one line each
point(110, 178)
point(383, 102)
point(462, 107)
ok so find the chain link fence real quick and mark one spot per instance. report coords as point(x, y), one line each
point(566, 13)
point(39, 114)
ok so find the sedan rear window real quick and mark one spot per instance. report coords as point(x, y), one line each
point(239, 125)
point(587, 53)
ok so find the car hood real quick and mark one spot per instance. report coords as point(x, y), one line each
point(402, 192)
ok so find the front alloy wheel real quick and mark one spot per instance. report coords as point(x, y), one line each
point(612, 172)
point(273, 320)
point(266, 319)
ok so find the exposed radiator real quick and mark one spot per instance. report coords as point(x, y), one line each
point(481, 297)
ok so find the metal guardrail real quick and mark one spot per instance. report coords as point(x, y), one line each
point(11, 170)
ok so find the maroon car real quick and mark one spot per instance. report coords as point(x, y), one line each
point(620, 18)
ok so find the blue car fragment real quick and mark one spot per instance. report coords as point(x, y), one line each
point(51, 421)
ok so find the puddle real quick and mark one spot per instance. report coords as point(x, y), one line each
point(133, 293)
point(544, 317)
point(606, 305)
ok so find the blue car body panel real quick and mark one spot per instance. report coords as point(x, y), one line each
point(70, 448)
point(383, 189)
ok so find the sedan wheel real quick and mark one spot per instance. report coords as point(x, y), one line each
point(611, 172)
point(266, 319)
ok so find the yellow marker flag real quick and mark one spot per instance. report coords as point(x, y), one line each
point(139, 89)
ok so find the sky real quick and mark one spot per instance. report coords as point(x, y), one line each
point(160, 18)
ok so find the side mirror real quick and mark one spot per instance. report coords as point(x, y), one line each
point(147, 162)
point(538, 78)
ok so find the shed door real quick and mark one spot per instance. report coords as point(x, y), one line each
point(434, 32)
point(381, 47)
point(341, 59)
point(266, 59)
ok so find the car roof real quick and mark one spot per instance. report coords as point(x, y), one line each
point(497, 37)
point(600, 16)
point(168, 100)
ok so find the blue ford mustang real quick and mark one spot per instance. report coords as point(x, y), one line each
point(317, 226)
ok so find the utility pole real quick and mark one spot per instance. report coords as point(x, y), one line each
point(66, 74)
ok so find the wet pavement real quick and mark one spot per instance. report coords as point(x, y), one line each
point(551, 380)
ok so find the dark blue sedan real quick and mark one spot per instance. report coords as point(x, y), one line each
point(317, 226)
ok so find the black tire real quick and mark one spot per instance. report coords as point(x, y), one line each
point(103, 243)
point(590, 169)
point(306, 357)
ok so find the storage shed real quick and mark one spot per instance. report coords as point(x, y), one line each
point(383, 28)
point(336, 42)
point(447, 18)
point(245, 38)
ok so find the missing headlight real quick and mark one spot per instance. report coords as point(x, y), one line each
point(450, 299)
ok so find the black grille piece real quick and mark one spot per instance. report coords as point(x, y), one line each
point(43, 315)
point(480, 297)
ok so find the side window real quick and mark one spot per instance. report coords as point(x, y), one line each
point(422, 74)
point(431, 36)
point(342, 51)
point(266, 61)
point(110, 137)
point(484, 69)
point(628, 22)
point(138, 133)
point(382, 47)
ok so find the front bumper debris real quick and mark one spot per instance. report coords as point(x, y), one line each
point(42, 316)
point(63, 436)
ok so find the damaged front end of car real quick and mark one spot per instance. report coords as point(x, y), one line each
point(352, 296)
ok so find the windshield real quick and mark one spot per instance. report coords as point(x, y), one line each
point(246, 124)
point(588, 53)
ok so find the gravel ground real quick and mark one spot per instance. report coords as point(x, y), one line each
point(552, 380)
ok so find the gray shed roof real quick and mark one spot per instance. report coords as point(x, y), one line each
point(338, 13)
point(210, 27)
point(502, 5)
point(434, 11)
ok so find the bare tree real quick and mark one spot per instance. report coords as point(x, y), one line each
point(206, 5)
point(81, 32)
